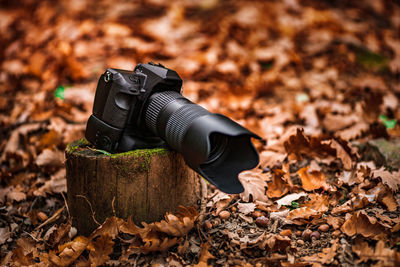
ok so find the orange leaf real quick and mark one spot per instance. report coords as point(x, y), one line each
point(279, 185)
point(361, 223)
point(100, 249)
point(69, 252)
point(302, 213)
point(318, 202)
point(312, 180)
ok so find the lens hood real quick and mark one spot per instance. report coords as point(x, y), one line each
point(235, 151)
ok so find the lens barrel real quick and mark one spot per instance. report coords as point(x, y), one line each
point(211, 144)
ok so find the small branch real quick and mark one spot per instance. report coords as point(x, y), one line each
point(91, 209)
point(52, 218)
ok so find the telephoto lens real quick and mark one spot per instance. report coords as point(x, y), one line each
point(211, 144)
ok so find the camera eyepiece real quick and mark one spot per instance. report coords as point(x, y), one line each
point(143, 108)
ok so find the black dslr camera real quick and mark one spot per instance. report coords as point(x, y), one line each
point(144, 109)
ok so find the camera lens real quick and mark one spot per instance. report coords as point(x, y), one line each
point(219, 144)
point(211, 144)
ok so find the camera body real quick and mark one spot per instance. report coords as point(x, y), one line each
point(117, 122)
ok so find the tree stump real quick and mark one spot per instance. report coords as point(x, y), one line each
point(144, 184)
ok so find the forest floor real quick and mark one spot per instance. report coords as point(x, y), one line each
point(317, 80)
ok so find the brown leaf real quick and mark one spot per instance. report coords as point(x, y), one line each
point(343, 155)
point(157, 236)
point(254, 185)
point(298, 145)
point(59, 234)
point(362, 224)
point(69, 252)
point(318, 202)
point(312, 180)
point(178, 225)
point(279, 185)
point(384, 255)
point(335, 222)
point(25, 252)
point(205, 255)
point(15, 194)
point(100, 250)
point(110, 227)
point(302, 213)
point(390, 179)
point(327, 256)
point(277, 242)
point(4, 235)
point(51, 158)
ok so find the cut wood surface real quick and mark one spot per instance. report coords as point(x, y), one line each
point(144, 184)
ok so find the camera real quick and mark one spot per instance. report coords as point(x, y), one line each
point(144, 108)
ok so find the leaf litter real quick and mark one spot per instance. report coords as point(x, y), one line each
point(318, 83)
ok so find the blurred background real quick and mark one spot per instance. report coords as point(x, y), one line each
point(329, 67)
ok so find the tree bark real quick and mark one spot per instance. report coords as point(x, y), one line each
point(144, 184)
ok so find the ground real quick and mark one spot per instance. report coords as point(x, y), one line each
point(317, 80)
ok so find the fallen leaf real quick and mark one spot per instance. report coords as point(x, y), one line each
point(287, 200)
point(384, 255)
point(362, 224)
point(312, 180)
point(69, 252)
point(318, 202)
point(327, 256)
point(111, 227)
point(254, 185)
point(205, 255)
point(335, 222)
point(279, 185)
point(4, 235)
point(390, 179)
point(246, 208)
point(51, 158)
point(302, 215)
point(100, 250)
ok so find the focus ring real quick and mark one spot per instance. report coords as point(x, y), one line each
point(156, 103)
point(180, 121)
point(169, 115)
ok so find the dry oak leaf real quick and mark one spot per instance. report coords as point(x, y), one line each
point(111, 227)
point(302, 213)
point(58, 234)
point(384, 255)
point(277, 242)
point(318, 202)
point(100, 250)
point(390, 179)
point(299, 144)
point(312, 180)
point(362, 224)
point(279, 185)
point(254, 185)
point(327, 256)
point(335, 222)
point(178, 225)
point(246, 208)
point(343, 154)
point(25, 252)
point(205, 255)
point(69, 252)
point(153, 244)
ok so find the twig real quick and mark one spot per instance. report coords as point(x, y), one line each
point(66, 205)
point(52, 218)
point(91, 209)
point(112, 205)
point(34, 238)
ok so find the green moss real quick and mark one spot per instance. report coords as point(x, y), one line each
point(72, 147)
point(146, 154)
